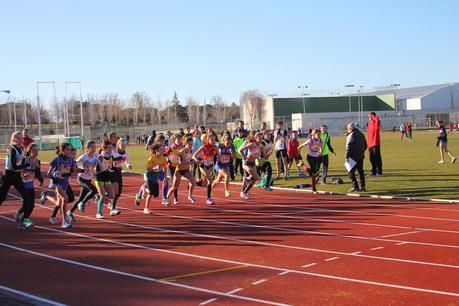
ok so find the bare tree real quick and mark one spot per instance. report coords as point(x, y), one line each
point(140, 101)
point(191, 106)
point(219, 108)
point(253, 106)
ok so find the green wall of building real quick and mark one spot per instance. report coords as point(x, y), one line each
point(288, 106)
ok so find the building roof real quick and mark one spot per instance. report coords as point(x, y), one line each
point(408, 93)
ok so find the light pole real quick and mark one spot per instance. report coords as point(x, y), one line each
point(303, 94)
point(349, 86)
point(394, 87)
point(81, 105)
point(39, 111)
point(14, 114)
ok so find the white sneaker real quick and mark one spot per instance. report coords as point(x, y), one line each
point(244, 196)
point(210, 201)
point(147, 211)
point(176, 202)
point(99, 216)
point(191, 199)
point(53, 220)
point(70, 216)
point(441, 162)
point(66, 224)
point(115, 212)
point(453, 160)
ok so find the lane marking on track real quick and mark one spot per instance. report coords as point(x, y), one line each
point(285, 272)
point(36, 298)
point(309, 265)
point(234, 290)
point(401, 243)
point(327, 276)
point(399, 234)
point(377, 248)
point(174, 278)
point(356, 253)
point(208, 301)
point(259, 282)
point(332, 258)
point(135, 276)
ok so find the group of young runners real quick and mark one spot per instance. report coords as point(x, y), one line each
point(201, 157)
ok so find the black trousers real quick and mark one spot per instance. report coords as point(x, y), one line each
point(12, 178)
point(375, 160)
point(88, 190)
point(266, 167)
point(324, 162)
point(359, 168)
point(231, 168)
point(238, 166)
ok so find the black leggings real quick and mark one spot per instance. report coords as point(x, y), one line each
point(87, 192)
point(238, 166)
point(119, 181)
point(27, 213)
point(12, 178)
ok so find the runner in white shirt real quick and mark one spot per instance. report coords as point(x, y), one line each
point(280, 146)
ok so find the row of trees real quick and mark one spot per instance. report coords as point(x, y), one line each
point(110, 109)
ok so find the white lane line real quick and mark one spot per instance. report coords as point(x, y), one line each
point(377, 248)
point(401, 243)
point(234, 290)
point(356, 253)
point(332, 258)
point(30, 296)
point(285, 272)
point(136, 276)
point(266, 243)
point(208, 301)
point(259, 282)
point(309, 265)
point(327, 276)
point(399, 234)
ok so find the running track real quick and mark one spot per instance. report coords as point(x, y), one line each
point(278, 248)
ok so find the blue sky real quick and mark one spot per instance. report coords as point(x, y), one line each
point(203, 48)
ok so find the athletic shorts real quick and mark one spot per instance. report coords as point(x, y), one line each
point(296, 159)
point(221, 166)
point(206, 167)
point(99, 183)
point(114, 176)
point(182, 172)
point(281, 153)
point(59, 183)
point(249, 163)
point(153, 187)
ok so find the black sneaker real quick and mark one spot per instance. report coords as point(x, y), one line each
point(363, 189)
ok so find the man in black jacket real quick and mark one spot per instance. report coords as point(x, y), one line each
point(356, 145)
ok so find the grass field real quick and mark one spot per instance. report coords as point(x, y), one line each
point(410, 168)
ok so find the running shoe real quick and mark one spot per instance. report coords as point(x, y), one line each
point(354, 189)
point(99, 216)
point(314, 189)
point(70, 216)
point(66, 224)
point(115, 212)
point(363, 189)
point(18, 217)
point(147, 211)
point(43, 198)
point(210, 201)
point(138, 198)
point(441, 162)
point(301, 174)
point(244, 196)
point(27, 222)
point(453, 160)
point(227, 193)
point(176, 202)
point(191, 199)
point(166, 202)
point(81, 207)
point(267, 188)
point(53, 220)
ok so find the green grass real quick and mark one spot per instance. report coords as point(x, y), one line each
point(410, 168)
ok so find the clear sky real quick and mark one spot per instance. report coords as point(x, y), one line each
point(203, 48)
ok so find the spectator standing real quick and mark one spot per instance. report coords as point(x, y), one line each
point(280, 146)
point(27, 140)
point(240, 125)
point(374, 144)
point(356, 145)
point(326, 150)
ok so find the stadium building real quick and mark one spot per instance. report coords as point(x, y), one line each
point(420, 105)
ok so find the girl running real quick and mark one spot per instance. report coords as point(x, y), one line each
point(263, 163)
point(173, 157)
point(156, 165)
point(61, 168)
point(314, 145)
point(120, 158)
point(88, 163)
point(183, 169)
point(208, 152)
point(442, 141)
point(12, 176)
point(30, 173)
point(222, 167)
point(251, 151)
point(103, 179)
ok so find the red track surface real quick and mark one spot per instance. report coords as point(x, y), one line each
point(282, 247)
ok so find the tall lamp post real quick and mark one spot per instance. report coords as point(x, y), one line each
point(349, 86)
point(39, 111)
point(81, 105)
point(394, 87)
point(303, 94)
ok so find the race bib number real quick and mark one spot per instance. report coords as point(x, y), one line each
point(208, 161)
point(225, 158)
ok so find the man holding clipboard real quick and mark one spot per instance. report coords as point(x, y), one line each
point(356, 145)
